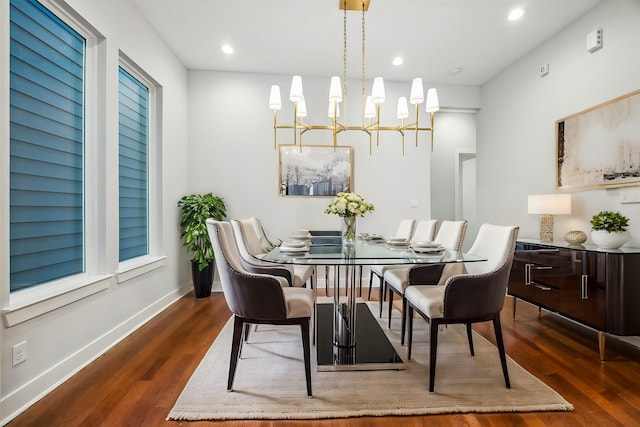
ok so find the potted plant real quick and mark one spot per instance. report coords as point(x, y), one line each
point(196, 209)
point(609, 229)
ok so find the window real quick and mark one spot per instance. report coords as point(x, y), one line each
point(46, 160)
point(133, 167)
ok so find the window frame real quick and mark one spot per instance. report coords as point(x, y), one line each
point(134, 267)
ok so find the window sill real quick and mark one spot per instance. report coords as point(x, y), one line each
point(30, 303)
point(138, 266)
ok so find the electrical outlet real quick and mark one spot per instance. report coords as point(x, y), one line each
point(19, 353)
point(544, 70)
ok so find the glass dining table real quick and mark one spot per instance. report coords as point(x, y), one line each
point(348, 336)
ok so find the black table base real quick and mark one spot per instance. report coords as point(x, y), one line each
point(372, 350)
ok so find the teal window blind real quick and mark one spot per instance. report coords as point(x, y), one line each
point(46, 146)
point(133, 167)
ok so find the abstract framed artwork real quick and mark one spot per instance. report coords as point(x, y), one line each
point(600, 147)
point(315, 170)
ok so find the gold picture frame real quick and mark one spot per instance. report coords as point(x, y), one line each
point(600, 147)
point(314, 170)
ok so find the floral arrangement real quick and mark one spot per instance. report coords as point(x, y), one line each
point(349, 205)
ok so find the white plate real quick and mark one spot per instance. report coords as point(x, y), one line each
point(296, 244)
point(398, 242)
point(396, 239)
point(426, 245)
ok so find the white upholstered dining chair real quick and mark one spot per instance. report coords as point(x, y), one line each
point(404, 231)
point(251, 248)
point(451, 236)
point(475, 296)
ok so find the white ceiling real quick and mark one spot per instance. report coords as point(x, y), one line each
point(306, 36)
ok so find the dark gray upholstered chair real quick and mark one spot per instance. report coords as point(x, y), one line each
point(256, 298)
point(451, 236)
point(475, 296)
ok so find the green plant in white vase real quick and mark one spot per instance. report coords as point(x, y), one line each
point(609, 229)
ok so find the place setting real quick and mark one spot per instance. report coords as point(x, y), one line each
point(295, 247)
point(432, 248)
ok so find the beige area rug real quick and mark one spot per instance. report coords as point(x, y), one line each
point(270, 382)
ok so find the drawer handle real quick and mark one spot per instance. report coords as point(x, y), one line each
point(542, 287)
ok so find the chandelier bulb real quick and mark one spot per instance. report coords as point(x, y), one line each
point(433, 104)
point(334, 110)
point(417, 92)
point(377, 92)
point(369, 109)
point(302, 108)
point(296, 94)
point(275, 102)
point(403, 110)
point(335, 90)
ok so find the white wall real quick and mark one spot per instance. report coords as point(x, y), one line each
point(62, 341)
point(516, 146)
point(231, 150)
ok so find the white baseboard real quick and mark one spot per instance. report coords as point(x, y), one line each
point(21, 399)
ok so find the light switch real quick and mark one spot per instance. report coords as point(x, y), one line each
point(413, 203)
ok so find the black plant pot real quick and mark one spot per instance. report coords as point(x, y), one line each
point(202, 280)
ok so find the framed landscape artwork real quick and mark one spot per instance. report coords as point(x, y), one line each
point(600, 147)
point(315, 170)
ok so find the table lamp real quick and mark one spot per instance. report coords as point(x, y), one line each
point(548, 205)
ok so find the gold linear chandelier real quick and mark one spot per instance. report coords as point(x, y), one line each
point(370, 104)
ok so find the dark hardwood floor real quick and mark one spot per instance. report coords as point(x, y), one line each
point(137, 382)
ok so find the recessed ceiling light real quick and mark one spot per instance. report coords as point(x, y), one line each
point(455, 71)
point(398, 60)
point(227, 49)
point(516, 14)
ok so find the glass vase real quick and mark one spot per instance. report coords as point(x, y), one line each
point(349, 230)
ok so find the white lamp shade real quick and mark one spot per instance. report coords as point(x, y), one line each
point(433, 104)
point(302, 109)
point(377, 92)
point(369, 109)
point(335, 90)
point(417, 92)
point(403, 110)
point(549, 204)
point(275, 102)
point(296, 94)
point(334, 108)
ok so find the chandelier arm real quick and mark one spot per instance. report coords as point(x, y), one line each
point(417, 116)
point(295, 121)
point(431, 129)
point(275, 129)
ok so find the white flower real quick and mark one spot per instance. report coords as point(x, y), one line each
point(349, 204)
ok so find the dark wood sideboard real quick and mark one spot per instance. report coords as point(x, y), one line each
point(599, 288)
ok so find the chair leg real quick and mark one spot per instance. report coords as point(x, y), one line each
point(470, 338)
point(433, 347)
point(410, 338)
point(381, 294)
point(403, 330)
point(307, 353)
point(238, 326)
point(326, 280)
point(370, 285)
point(390, 304)
point(503, 358)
